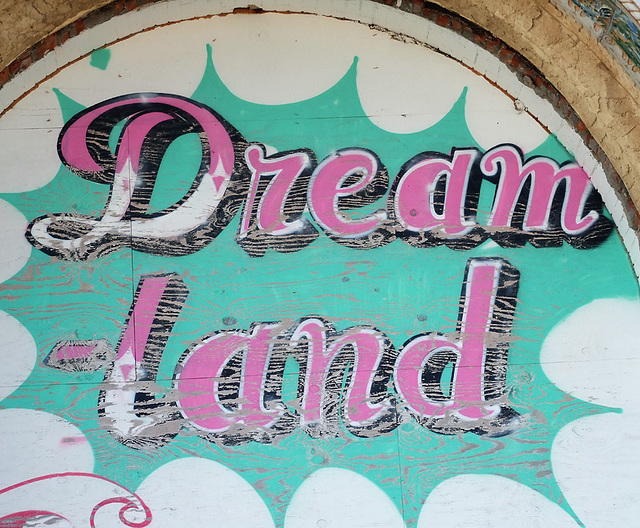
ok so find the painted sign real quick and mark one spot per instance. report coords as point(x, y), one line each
point(278, 306)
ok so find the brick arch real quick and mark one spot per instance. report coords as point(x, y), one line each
point(560, 58)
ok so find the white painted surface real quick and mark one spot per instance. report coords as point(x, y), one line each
point(15, 248)
point(594, 354)
point(490, 501)
point(54, 446)
point(595, 461)
point(339, 498)
point(202, 493)
point(17, 354)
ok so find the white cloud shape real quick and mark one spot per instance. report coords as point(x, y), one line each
point(15, 248)
point(199, 492)
point(28, 142)
point(490, 501)
point(17, 354)
point(596, 461)
point(36, 443)
point(339, 498)
point(594, 354)
point(492, 119)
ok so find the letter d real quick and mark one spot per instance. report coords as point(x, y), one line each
point(478, 352)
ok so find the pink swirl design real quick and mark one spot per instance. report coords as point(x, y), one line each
point(128, 505)
point(62, 495)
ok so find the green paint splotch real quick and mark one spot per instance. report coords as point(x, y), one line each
point(100, 58)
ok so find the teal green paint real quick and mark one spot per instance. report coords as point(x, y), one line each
point(552, 148)
point(402, 290)
point(114, 137)
point(68, 106)
point(446, 380)
point(177, 171)
point(100, 58)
